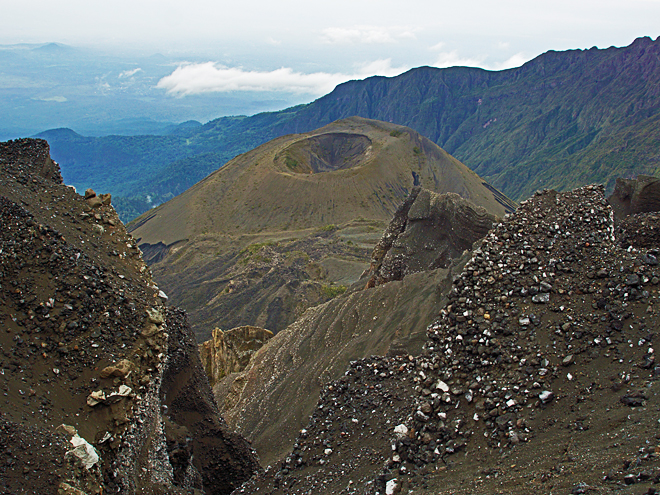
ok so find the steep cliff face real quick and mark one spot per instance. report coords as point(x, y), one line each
point(231, 351)
point(270, 400)
point(428, 231)
point(87, 343)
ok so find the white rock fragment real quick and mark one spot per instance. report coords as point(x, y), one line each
point(392, 487)
point(84, 451)
point(124, 391)
point(400, 431)
point(95, 398)
point(155, 316)
point(105, 438)
point(442, 386)
point(546, 396)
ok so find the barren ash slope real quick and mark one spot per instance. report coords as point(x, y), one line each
point(539, 375)
point(256, 242)
point(102, 389)
point(386, 313)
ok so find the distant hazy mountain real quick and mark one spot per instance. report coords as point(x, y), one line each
point(561, 120)
point(97, 93)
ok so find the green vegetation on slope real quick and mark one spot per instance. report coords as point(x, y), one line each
point(561, 120)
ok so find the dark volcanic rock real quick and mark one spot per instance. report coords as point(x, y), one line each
point(640, 195)
point(641, 230)
point(86, 342)
point(428, 231)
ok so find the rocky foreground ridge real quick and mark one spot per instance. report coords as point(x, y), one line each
point(102, 387)
point(538, 376)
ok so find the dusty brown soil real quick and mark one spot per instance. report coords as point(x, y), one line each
point(263, 280)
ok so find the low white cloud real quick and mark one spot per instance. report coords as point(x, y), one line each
point(382, 67)
point(56, 99)
point(210, 77)
point(129, 73)
point(272, 41)
point(445, 58)
point(514, 61)
point(453, 59)
point(366, 34)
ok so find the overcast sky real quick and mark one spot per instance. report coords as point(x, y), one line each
point(309, 47)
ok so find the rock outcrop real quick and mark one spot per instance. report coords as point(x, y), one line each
point(230, 352)
point(103, 389)
point(427, 232)
point(640, 195)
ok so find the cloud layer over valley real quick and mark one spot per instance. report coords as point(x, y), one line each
point(211, 77)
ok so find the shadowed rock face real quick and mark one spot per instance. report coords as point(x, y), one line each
point(427, 232)
point(87, 342)
point(640, 195)
point(203, 452)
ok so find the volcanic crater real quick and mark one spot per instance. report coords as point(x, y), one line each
point(327, 153)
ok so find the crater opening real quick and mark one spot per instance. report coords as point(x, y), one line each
point(326, 153)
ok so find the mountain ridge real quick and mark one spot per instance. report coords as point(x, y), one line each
point(103, 387)
point(561, 120)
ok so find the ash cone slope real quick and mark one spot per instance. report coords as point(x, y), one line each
point(284, 226)
point(349, 169)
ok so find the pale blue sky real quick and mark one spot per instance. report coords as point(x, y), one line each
point(308, 47)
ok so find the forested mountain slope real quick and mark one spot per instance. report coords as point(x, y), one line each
point(561, 120)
